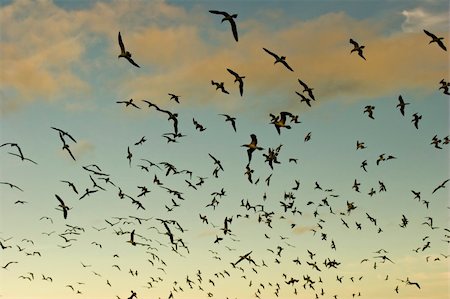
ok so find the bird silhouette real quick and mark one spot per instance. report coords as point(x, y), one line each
point(357, 48)
point(279, 59)
point(229, 18)
point(435, 39)
point(124, 53)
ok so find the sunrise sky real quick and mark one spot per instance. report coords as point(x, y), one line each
point(59, 67)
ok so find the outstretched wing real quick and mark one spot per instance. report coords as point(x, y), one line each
point(271, 53)
point(234, 29)
point(132, 62)
point(122, 47)
point(429, 34)
point(217, 12)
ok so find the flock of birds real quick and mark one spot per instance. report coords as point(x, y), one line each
point(247, 263)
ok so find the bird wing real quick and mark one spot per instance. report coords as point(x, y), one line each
point(60, 200)
point(287, 65)
point(122, 47)
point(354, 43)
point(233, 73)
point(241, 87)
point(234, 29)
point(441, 44)
point(271, 53)
point(217, 12)
point(132, 62)
point(429, 34)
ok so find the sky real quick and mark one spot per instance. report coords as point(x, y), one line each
point(59, 68)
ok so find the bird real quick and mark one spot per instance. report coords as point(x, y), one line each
point(307, 89)
point(12, 186)
point(128, 103)
point(435, 39)
point(440, 186)
point(252, 146)
point(64, 133)
point(174, 97)
point(129, 155)
point(229, 18)
point(357, 48)
point(304, 99)
point(219, 85)
point(415, 120)
point(232, 120)
point(369, 110)
point(124, 53)
point(401, 105)
point(281, 59)
point(238, 78)
point(62, 205)
point(280, 122)
point(9, 263)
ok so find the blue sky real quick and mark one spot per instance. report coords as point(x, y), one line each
point(59, 68)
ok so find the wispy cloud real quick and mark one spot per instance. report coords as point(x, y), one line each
point(419, 18)
point(181, 51)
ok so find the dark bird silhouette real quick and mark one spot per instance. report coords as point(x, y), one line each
point(369, 110)
point(281, 59)
point(12, 186)
point(128, 103)
point(174, 97)
point(280, 121)
point(229, 18)
point(415, 120)
point(219, 85)
point(232, 120)
point(63, 206)
point(401, 105)
point(9, 263)
point(357, 48)
point(124, 53)
point(238, 78)
point(64, 133)
point(435, 39)
point(307, 89)
point(252, 146)
point(440, 186)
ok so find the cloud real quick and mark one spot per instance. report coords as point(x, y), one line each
point(50, 53)
point(298, 230)
point(81, 148)
point(419, 18)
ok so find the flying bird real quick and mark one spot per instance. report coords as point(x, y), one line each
point(238, 78)
point(281, 59)
point(415, 120)
point(232, 120)
point(435, 39)
point(401, 105)
point(357, 48)
point(124, 53)
point(252, 146)
point(229, 18)
point(128, 103)
point(63, 206)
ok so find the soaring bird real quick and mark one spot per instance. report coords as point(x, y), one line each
point(238, 78)
point(281, 121)
point(124, 53)
point(219, 85)
point(252, 146)
point(128, 103)
point(415, 120)
point(281, 59)
point(62, 205)
point(435, 39)
point(357, 48)
point(401, 105)
point(369, 110)
point(307, 89)
point(232, 120)
point(229, 18)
